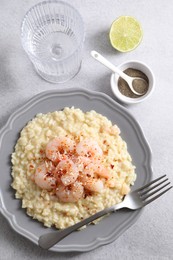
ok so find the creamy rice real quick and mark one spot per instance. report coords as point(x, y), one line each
point(29, 153)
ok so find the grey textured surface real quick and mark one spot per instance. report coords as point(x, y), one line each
point(152, 235)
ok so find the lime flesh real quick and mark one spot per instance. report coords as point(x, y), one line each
point(125, 33)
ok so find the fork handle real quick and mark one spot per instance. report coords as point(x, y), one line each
point(48, 240)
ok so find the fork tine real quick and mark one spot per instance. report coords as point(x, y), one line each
point(157, 196)
point(154, 192)
point(147, 185)
point(153, 187)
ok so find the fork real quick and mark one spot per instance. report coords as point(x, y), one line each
point(134, 200)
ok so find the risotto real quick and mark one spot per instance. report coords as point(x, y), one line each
point(61, 188)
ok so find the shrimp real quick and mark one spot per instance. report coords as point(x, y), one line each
point(71, 193)
point(98, 169)
point(91, 183)
point(89, 148)
point(50, 167)
point(90, 179)
point(81, 162)
point(59, 148)
point(66, 171)
point(43, 178)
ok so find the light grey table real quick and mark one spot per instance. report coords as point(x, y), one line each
point(151, 237)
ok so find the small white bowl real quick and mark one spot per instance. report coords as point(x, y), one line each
point(138, 66)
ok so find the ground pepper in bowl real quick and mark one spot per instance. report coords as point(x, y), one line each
point(139, 86)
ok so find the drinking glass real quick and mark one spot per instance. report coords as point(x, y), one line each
point(52, 35)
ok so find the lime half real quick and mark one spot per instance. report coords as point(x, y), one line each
point(125, 33)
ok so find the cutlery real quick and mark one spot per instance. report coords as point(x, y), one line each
point(128, 79)
point(134, 200)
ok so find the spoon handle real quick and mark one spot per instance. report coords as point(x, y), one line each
point(109, 65)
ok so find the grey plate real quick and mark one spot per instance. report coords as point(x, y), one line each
point(110, 227)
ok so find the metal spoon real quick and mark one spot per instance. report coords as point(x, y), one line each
point(128, 79)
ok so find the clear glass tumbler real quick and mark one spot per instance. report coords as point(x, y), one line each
point(52, 35)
